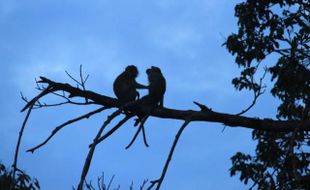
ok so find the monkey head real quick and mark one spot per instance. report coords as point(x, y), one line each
point(125, 85)
point(153, 69)
point(132, 70)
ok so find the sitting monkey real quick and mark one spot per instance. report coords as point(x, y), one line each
point(155, 98)
point(125, 85)
point(157, 87)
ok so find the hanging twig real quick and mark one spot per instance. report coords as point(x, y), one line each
point(65, 124)
point(163, 174)
point(141, 127)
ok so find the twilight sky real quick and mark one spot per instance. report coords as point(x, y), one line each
point(182, 37)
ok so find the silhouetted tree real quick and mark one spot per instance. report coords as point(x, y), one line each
point(282, 27)
point(265, 27)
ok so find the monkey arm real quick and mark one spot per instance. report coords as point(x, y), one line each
point(140, 86)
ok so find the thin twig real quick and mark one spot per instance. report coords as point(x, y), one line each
point(117, 126)
point(163, 174)
point(69, 101)
point(98, 183)
point(92, 148)
point(143, 184)
point(83, 81)
point(110, 182)
point(141, 127)
point(34, 100)
point(144, 136)
point(256, 92)
point(78, 82)
point(14, 166)
point(87, 115)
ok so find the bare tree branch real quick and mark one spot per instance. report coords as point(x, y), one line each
point(117, 126)
point(163, 174)
point(34, 100)
point(141, 127)
point(65, 124)
point(92, 148)
point(14, 166)
point(203, 115)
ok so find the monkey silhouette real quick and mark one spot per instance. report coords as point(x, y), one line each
point(125, 85)
point(157, 86)
point(156, 91)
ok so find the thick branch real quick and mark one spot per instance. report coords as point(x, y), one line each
point(203, 115)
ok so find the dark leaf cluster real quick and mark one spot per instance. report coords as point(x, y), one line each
point(22, 181)
point(274, 166)
point(282, 28)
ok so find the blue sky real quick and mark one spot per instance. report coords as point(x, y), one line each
point(182, 37)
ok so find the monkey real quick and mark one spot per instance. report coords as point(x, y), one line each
point(125, 85)
point(157, 86)
point(154, 98)
point(156, 89)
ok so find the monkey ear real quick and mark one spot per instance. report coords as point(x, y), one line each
point(156, 69)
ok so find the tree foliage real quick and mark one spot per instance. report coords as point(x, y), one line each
point(22, 181)
point(280, 27)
